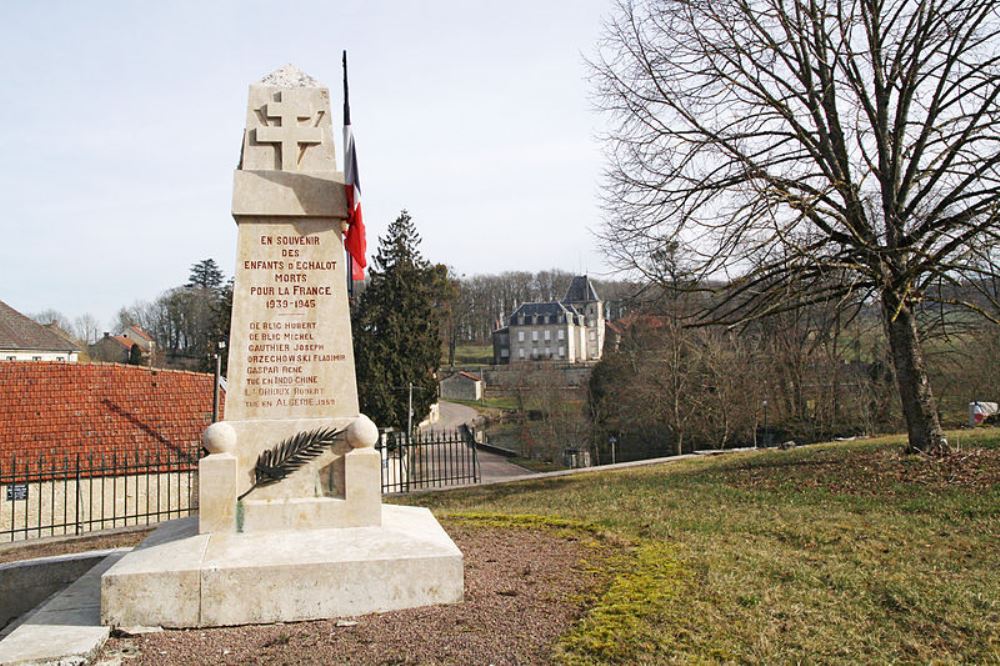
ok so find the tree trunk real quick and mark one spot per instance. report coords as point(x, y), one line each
point(919, 406)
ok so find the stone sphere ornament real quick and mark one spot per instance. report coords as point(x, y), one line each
point(362, 433)
point(219, 437)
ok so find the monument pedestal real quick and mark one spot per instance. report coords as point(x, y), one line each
point(180, 578)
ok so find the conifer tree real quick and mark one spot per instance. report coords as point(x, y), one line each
point(396, 332)
point(206, 274)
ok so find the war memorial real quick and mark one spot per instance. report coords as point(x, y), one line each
point(291, 525)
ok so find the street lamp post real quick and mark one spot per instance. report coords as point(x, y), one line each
point(218, 376)
point(767, 435)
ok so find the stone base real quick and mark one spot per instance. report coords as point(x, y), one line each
point(179, 578)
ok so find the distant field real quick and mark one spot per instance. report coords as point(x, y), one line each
point(835, 553)
point(471, 355)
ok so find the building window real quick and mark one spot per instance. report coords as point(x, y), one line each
point(11, 358)
point(562, 334)
point(520, 353)
point(548, 351)
point(534, 336)
point(60, 358)
point(36, 358)
point(562, 352)
point(520, 336)
point(593, 335)
point(548, 335)
point(504, 353)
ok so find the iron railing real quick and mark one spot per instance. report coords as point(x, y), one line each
point(58, 495)
point(428, 460)
point(67, 495)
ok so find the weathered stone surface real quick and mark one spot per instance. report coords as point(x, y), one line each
point(218, 485)
point(272, 576)
point(65, 629)
point(157, 577)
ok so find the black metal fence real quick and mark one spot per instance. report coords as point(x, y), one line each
point(63, 495)
point(57, 495)
point(428, 460)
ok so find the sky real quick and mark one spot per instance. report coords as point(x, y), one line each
point(121, 124)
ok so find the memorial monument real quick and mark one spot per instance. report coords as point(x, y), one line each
point(291, 525)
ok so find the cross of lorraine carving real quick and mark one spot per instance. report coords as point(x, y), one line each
point(290, 135)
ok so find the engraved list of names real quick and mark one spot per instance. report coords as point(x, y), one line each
point(291, 352)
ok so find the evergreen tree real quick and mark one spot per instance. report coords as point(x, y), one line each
point(135, 355)
point(222, 314)
point(396, 332)
point(206, 274)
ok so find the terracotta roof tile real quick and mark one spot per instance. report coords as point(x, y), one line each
point(100, 409)
point(141, 333)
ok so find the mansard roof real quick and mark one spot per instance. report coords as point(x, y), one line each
point(532, 309)
point(581, 290)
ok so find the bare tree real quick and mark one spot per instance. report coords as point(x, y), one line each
point(86, 328)
point(848, 147)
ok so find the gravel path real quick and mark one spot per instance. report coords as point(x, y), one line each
point(523, 589)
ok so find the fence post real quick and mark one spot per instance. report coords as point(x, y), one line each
point(76, 514)
point(405, 455)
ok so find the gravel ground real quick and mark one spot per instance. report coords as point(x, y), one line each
point(523, 589)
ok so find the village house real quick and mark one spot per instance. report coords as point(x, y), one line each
point(462, 386)
point(119, 348)
point(111, 348)
point(141, 338)
point(23, 339)
point(570, 330)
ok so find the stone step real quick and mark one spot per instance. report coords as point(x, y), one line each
point(66, 629)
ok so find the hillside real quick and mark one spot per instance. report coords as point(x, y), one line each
point(837, 553)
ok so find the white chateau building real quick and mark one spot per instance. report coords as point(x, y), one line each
point(570, 330)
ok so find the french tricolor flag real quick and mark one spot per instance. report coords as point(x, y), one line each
point(355, 241)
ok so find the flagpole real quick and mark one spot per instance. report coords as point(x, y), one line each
point(347, 121)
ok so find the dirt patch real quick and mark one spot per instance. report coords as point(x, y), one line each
point(30, 550)
point(878, 472)
point(523, 589)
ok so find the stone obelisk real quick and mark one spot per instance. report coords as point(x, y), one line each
point(291, 360)
point(291, 524)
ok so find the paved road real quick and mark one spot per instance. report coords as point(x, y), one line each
point(452, 416)
point(492, 466)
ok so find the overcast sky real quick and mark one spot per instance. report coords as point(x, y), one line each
point(121, 125)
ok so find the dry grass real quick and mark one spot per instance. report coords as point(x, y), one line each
point(840, 553)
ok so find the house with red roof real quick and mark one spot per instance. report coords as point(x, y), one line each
point(111, 348)
point(140, 337)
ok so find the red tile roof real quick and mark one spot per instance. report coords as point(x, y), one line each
point(141, 333)
point(65, 409)
point(122, 340)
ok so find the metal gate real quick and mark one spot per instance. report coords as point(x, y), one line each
point(428, 460)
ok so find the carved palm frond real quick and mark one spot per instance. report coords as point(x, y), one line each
point(279, 461)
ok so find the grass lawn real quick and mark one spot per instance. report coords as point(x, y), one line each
point(838, 553)
point(471, 355)
point(500, 402)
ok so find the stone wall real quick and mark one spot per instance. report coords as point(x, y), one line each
point(507, 377)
